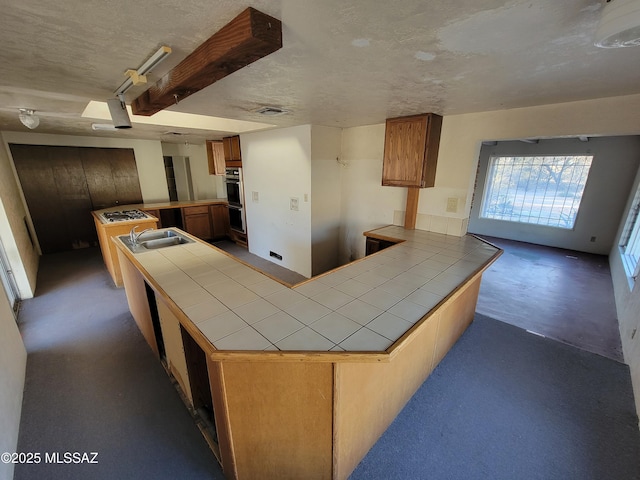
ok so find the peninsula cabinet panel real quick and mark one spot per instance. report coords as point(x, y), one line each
point(137, 299)
point(174, 348)
point(280, 417)
point(455, 316)
point(368, 396)
point(411, 150)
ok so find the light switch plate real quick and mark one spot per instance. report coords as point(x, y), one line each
point(254, 197)
point(293, 203)
point(452, 204)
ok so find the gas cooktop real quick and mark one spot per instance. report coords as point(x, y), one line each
point(124, 215)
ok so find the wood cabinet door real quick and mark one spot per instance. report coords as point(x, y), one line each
point(62, 185)
point(220, 221)
point(57, 196)
point(198, 225)
point(112, 176)
point(411, 150)
point(231, 146)
point(404, 148)
point(215, 157)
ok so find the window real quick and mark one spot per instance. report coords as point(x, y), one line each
point(542, 190)
point(630, 240)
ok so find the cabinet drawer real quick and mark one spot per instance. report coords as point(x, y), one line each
point(196, 210)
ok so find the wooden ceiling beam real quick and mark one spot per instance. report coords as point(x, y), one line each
point(245, 39)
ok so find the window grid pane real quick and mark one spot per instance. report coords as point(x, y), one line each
point(541, 190)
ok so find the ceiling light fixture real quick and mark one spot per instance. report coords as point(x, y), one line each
point(28, 118)
point(138, 77)
point(619, 25)
point(103, 126)
point(118, 111)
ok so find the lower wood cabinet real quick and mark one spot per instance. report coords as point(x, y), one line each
point(155, 213)
point(199, 225)
point(207, 222)
point(220, 221)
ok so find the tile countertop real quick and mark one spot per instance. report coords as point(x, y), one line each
point(364, 306)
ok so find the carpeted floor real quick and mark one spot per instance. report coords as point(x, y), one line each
point(93, 384)
point(505, 404)
point(561, 294)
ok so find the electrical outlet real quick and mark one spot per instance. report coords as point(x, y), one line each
point(293, 203)
point(452, 204)
point(254, 197)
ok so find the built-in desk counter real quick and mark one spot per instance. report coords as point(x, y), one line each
point(305, 378)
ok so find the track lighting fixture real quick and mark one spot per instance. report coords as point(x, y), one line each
point(118, 111)
point(137, 77)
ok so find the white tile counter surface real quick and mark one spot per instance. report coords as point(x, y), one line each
point(365, 306)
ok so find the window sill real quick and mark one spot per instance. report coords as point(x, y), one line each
point(630, 265)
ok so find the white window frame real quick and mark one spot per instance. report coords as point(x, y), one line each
point(490, 185)
point(630, 241)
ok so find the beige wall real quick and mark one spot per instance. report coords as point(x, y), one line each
point(205, 186)
point(277, 166)
point(21, 253)
point(367, 204)
point(13, 363)
point(326, 198)
point(628, 306)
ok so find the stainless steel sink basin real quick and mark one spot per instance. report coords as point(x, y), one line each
point(157, 234)
point(154, 239)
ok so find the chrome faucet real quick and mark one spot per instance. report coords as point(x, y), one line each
point(134, 237)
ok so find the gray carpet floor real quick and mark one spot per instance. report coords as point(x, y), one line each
point(93, 384)
point(503, 404)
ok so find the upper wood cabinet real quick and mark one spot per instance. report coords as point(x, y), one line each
point(232, 154)
point(411, 150)
point(215, 156)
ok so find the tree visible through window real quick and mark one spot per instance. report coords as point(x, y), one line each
point(542, 190)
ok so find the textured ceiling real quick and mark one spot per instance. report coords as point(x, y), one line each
point(342, 63)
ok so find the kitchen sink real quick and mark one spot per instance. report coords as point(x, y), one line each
point(155, 239)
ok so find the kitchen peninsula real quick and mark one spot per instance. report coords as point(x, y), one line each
point(206, 219)
point(300, 381)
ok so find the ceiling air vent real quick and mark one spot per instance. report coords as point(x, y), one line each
point(271, 111)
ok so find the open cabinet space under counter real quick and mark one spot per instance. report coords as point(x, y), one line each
point(303, 379)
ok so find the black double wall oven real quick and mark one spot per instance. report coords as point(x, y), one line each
point(235, 197)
